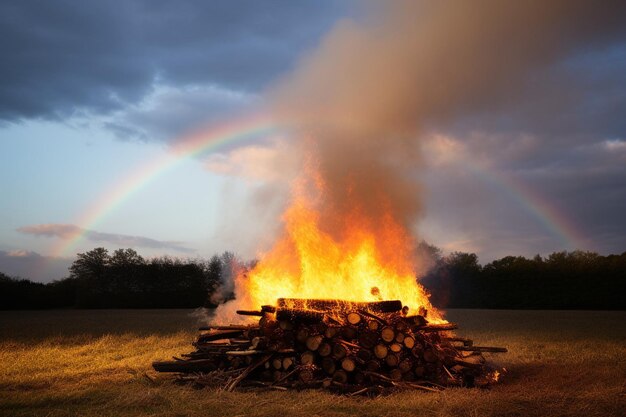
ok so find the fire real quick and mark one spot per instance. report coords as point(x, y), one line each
point(363, 259)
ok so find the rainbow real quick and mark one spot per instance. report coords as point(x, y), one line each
point(251, 128)
point(546, 213)
point(236, 132)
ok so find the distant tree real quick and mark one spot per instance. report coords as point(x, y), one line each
point(126, 257)
point(90, 265)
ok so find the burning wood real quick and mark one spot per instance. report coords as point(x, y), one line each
point(352, 348)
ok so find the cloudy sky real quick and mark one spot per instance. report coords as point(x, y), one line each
point(97, 97)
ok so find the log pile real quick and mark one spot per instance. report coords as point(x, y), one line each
point(353, 348)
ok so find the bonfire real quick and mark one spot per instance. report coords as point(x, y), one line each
point(352, 317)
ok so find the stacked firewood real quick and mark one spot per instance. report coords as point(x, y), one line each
point(350, 347)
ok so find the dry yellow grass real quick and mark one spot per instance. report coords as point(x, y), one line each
point(92, 363)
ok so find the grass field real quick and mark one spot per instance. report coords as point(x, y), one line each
point(92, 363)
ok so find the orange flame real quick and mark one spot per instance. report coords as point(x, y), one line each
point(365, 260)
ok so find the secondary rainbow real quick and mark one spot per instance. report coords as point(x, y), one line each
point(236, 132)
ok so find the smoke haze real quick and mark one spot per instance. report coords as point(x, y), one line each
point(363, 98)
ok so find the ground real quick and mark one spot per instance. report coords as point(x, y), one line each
point(93, 363)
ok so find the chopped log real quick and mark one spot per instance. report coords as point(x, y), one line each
point(301, 334)
point(348, 364)
point(307, 358)
point(332, 331)
point(324, 349)
point(405, 366)
point(380, 351)
point(387, 334)
point(250, 313)
point(395, 374)
point(373, 325)
point(306, 375)
point(339, 351)
point(409, 342)
point(287, 362)
point(353, 318)
point(395, 347)
point(401, 326)
point(392, 360)
point(299, 315)
point(340, 376)
point(314, 342)
point(277, 363)
point(400, 337)
point(389, 306)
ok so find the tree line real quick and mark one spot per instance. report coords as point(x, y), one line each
point(124, 279)
point(562, 280)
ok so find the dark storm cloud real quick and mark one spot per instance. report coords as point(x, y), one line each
point(65, 57)
point(578, 98)
point(168, 112)
point(69, 231)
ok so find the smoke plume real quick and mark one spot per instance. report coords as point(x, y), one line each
point(365, 95)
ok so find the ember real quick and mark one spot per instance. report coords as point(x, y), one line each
point(349, 347)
